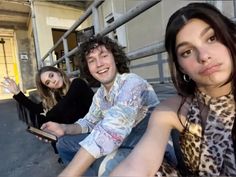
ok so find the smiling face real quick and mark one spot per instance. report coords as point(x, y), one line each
point(202, 57)
point(52, 80)
point(101, 65)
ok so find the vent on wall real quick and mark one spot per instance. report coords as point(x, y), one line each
point(118, 34)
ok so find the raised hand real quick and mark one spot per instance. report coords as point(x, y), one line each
point(10, 85)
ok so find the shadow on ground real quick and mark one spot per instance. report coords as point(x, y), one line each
point(22, 154)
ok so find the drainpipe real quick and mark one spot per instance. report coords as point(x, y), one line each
point(36, 41)
point(234, 1)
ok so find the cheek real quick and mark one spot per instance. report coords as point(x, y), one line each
point(61, 83)
point(91, 69)
point(186, 65)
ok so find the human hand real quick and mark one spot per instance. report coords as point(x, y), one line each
point(10, 85)
point(43, 139)
point(54, 128)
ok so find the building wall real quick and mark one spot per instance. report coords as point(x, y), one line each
point(50, 16)
point(145, 29)
point(27, 66)
point(47, 16)
point(148, 28)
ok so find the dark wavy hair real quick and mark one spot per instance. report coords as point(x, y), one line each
point(85, 48)
point(224, 28)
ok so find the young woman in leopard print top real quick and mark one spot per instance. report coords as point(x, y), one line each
point(201, 45)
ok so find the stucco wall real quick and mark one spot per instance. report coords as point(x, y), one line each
point(149, 27)
point(146, 28)
point(27, 66)
point(50, 16)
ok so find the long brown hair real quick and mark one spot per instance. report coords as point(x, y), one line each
point(50, 96)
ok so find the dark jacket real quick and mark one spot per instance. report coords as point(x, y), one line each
point(74, 105)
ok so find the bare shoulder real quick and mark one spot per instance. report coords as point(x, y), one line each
point(167, 112)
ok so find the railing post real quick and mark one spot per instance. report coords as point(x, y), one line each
point(234, 1)
point(51, 58)
point(95, 16)
point(160, 67)
point(66, 50)
point(135, 11)
point(36, 41)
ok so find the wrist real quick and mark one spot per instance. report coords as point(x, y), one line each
point(64, 129)
point(16, 92)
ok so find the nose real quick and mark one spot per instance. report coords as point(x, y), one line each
point(99, 62)
point(52, 81)
point(203, 55)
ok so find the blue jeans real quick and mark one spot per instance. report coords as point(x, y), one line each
point(68, 146)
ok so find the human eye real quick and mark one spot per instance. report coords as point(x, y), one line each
point(47, 83)
point(212, 38)
point(51, 75)
point(185, 53)
point(104, 55)
point(90, 60)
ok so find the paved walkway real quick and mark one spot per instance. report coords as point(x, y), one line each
point(23, 155)
point(164, 91)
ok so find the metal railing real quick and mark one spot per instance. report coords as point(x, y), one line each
point(149, 50)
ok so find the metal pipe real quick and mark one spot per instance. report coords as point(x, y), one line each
point(234, 1)
point(51, 58)
point(65, 45)
point(96, 20)
point(129, 15)
point(147, 51)
point(70, 53)
point(36, 41)
point(87, 13)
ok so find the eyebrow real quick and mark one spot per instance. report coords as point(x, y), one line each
point(101, 51)
point(204, 31)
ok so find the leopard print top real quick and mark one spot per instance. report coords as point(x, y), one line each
point(209, 151)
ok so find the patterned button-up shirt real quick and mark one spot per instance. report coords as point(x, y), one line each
point(112, 115)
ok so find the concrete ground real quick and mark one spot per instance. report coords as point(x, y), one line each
point(22, 154)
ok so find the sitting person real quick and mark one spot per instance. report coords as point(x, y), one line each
point(117, 117)
point(200, 42)
point(63, 100)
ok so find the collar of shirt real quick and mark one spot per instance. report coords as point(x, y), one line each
point(109, 96)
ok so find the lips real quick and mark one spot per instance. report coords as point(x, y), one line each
point(209, 69)
point(102, 71)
